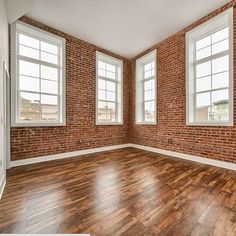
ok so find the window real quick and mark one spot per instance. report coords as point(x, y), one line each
point(146, 89)
point(38, 77)
point(109, 90)
point(210, 72)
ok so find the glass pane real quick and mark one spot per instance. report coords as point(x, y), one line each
point(28, 52)
point(49, 86)
point(220, 80)
point(29, 84)
point(148, 95)
point(49, 58)
point(149, 111)
point(150, 84)
point(148, 67)
point(110, 75)
point(29, 107)
point(101, 84)
point(202, 43)
point(49, 99)
point(205, 52)
point(101, 65)
point(111, 112)
point(219, 97)
point(49, 73)
point(220, 47)
point(28, 41)
point(28, 68)
point(220, 111)
point(111, 86)
point(49, 112)
point(220, 35)
point(111, 96)
point(47, 47)
point(203, 84)
point(203, 69)
point(101, 72)
point(203, 99)
point(111, 68)
point(102, 111)
point(147, 74)
point(203, 113)
point(101, 94)
point(220, 64)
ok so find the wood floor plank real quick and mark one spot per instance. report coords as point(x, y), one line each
point(122, 192)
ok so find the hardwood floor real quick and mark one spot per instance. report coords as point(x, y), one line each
point(122, 192)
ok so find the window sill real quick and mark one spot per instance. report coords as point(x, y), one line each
point(37, 124)
point(210, 124)
point(110, 123)
point(146, 123)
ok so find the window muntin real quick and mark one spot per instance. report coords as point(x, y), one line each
point(38, 81)
point(146, 89)
point(109, 90)
point(209, 78)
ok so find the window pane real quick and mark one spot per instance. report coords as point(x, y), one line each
point(111, 68)
point(111, 112)
point(49, 58)
point(150, 84)
point(111, 86)
point(47, 47)
point(49, 112)
point(203, 84)
point(203, 113)
point(203, 99)
point(220, 47)
point(29, 84)
point(148, 95)
point(110, 75)
point(220, 111)
point(147, 74)
point(101, 94)
point(49, 86)
point(205, 52)
point(28, 68)
point(29, 107)
point(149, 111)
point(28, 41)
point(101, 84)
point(111, 96)
point(148, 67)
point(102, 111)
point(202, 43)
point(101, 72)
point(220, 80)
point(220, 64)
point(49, 73)
point(203, 69)
point(29, 52)
point(101, 65)
point(48, 99)
point(220, 96)
point(220, 35)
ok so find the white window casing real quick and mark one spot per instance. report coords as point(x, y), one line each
point(209, 72)
point(146, 89)
point(38, 83)
point(109, 90)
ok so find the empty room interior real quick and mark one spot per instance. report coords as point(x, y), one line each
point(118, 117)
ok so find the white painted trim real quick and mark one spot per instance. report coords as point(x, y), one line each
point(66, 155)
point(208, 161)
point(2, 185)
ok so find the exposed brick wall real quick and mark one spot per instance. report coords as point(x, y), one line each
point(171, 132)
point(80, 131)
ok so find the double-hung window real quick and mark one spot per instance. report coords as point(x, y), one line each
point(109, 90)
point(38, 77)
point(210, 72)
point(146, 89)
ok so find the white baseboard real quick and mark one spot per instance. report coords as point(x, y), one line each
point(208, 161)
point(65, 155)
point(2, 185)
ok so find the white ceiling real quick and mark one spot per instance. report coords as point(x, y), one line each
point(125, 27)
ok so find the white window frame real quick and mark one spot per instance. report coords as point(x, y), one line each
point(208, 28)
point(139, 108)
point(119, 88)
point(39, 34)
